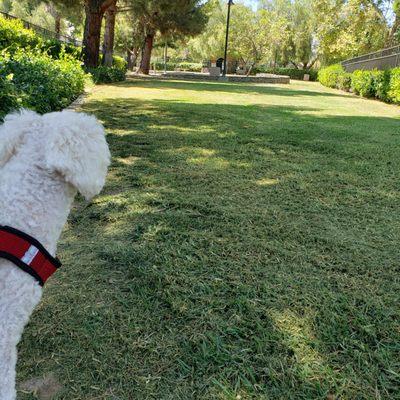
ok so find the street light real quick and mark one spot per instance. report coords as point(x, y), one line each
point(230, 3)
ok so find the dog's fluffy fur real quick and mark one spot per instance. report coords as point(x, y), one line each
point(44, 161)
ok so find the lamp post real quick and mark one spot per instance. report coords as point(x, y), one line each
point(230, 3)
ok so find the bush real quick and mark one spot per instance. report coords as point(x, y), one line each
point(120, 63)
point(329, 76)
point(103, 74)
point(382, 83)
point(294, 73)
point(364, 83)
point(188, 66)
point(344, 81)
point(179, 66)
point(44, 84)
point(393, 93)
point(14, 36)
point(56, 49)
point(8, 97)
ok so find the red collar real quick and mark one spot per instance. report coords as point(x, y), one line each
point(27, 253)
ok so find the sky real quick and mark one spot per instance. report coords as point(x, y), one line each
point(252, 3)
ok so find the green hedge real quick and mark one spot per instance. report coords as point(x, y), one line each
point(329, 76)
point(393, 92)
point(179, 66)
point(103, 74)
point(382, 85)
point(120, 63)
point(43, 75)
point(38, 82)
point(14, 37)
point(294, 73)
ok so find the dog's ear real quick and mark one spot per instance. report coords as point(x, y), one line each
point(77, 149)
point(13, 130)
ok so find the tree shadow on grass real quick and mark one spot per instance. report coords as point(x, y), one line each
point(244, 88)
point(236, 250)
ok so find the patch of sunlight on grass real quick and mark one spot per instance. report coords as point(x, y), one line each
point(214, 163)
point(196, 151)
point(267, 182)
point(127, 160)
point(299, 337)
point(183, 129)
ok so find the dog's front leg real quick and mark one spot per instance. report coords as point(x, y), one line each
point(18, 298)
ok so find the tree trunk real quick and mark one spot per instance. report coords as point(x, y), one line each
point(109, 34)
point(132, 56)
point(94, 10)
point(57, 25)
point(57, 19)
point(146, 56)
point(165, 56)
point(91, 40)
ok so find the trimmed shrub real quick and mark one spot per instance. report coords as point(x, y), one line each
point(382, 84)
point(188, 66)
point(103, 74)
point(329, 76)
point(44, 84)
point(344, 81)
point(294, 73)
point(393, 93)
point(364, 83)
point(179, 66)
point(120, 63)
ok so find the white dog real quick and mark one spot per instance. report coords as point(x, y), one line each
point(44, 161)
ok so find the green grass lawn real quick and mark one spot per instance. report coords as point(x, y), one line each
point(246, 246)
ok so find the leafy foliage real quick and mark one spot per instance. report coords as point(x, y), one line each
point(104, 74)
point(8, 97)
point(180, 66)
point(329, 76)
point(364, 82)
point(393, 93)
point(294, 73)
point(45, 84)
point(119, 63)
point(383, 85)
point(56, 49)
point(14, 36)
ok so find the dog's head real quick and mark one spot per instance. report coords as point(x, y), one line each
point(73, 146)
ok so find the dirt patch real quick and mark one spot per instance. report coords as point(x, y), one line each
point(44, 388)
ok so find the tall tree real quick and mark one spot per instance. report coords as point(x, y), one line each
point(109, 34)
point(167, 17)
point(94, 10)
point(345, 29)
point(129, 36)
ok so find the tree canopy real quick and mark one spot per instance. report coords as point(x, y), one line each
point(299, 33)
